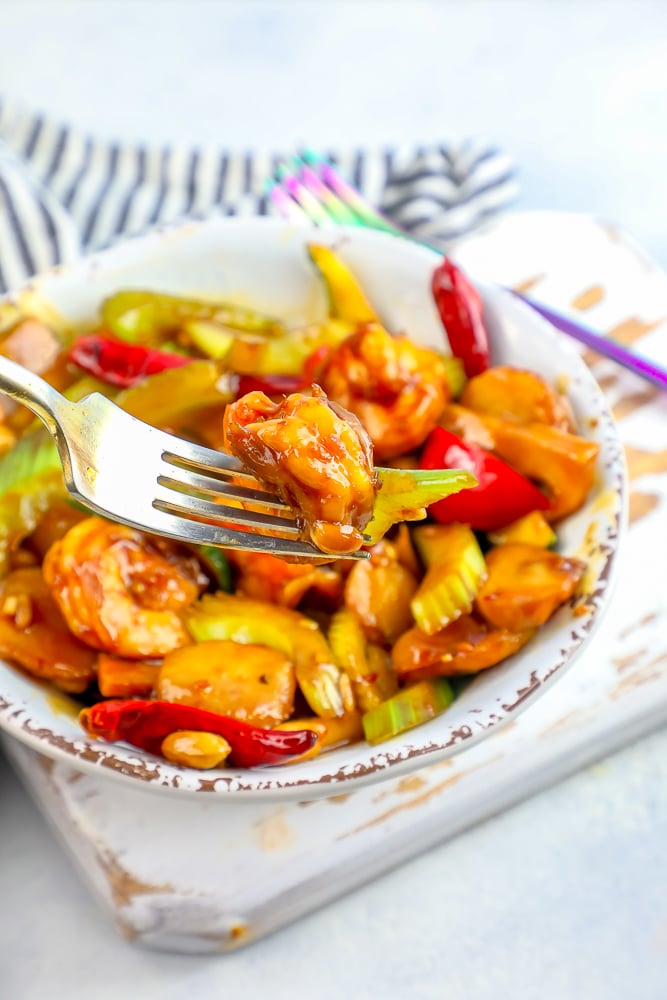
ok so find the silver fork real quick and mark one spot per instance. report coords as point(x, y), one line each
point(128, 471)
point(309, 189)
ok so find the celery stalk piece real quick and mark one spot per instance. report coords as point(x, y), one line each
point(147, 317)
point(411, 707)
point(211, 339)
point(30, 479)
point(405, 494)
point(368, 667)
point(455, 570)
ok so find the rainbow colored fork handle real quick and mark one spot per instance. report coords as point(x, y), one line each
point(606, 346)
point(309, 188)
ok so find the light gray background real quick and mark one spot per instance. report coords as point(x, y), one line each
point(564, 896)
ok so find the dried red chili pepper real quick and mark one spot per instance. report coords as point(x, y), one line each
point(145, 724)
point(501, 496)
point(119, 363)
point(272, 385)
point(462, 313)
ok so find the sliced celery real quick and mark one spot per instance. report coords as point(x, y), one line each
point(353, 655)
point(455, 570)
point(405, 494)
point(146, 317)
point(409, 708)
point(210, 338)
point(30, 479)
point(285, 355)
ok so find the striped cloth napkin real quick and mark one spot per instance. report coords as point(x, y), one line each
point(63, 193)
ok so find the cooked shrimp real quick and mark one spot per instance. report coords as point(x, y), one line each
point(397, 390)
point(34, 634)
point(266, 578)
point(316, 456)
point(120, 591)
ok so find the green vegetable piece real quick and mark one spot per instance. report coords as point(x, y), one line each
point(149, 317)
point(368, 667)
point(217, 563)
point(411, 707)
point(209, 338)
point(30, 480)
point(455, 570)
point(405, 494)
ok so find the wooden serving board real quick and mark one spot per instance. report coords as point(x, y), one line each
point(148, 857)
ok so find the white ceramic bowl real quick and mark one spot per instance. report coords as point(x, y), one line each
point(263, 262)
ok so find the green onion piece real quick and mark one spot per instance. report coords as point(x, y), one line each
point(409, 708)
point(405, 494)
point(217, 563)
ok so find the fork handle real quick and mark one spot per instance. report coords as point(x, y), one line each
point(23, 386)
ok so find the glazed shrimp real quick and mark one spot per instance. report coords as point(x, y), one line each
point(120, 591)
point(396, 389)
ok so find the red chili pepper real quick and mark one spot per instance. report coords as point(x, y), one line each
point(119, 363)
point(272, 385)
point(315, 362)
point(502, 496)
point(145, 724)
point(462, 313)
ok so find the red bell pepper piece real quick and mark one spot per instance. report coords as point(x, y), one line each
point(145, 724)
point(119, 363)
point(502, 496)
point(462, 313)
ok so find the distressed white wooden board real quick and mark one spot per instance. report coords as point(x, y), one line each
point(210, 876)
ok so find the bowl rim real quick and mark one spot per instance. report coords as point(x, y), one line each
point(152, 773)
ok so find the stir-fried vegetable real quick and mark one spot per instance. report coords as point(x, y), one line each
point(455, 570)
point(119, 363)
point(501, 494)
point(409, 708)
point(149, 317)
point(146, 724)
point(462, 313)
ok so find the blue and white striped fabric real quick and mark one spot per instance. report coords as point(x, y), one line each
point(63, 193)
